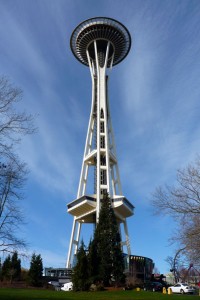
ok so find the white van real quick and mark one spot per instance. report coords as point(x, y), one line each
point(67, 287)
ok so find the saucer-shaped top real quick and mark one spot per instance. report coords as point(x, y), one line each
point(102, 30)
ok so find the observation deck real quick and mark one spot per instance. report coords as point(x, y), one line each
point(84, 208)
point(102, 30)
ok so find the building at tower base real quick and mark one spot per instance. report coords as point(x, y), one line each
point(138, 270)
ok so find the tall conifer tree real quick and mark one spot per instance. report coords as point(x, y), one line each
point(35, 271)
point(16, 266)
point(6, 267)
point(108, 245)
point(103, 262)
point(80, 272)
point(11, 267)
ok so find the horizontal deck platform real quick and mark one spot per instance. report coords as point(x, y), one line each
point(84, 208)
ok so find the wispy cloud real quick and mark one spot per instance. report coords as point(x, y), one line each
point(161, 98)
point(50, 153)
point(154, 96)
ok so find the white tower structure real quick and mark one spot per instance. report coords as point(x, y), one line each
point(99, 43)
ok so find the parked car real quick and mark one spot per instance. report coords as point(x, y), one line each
point(182, 288)
point(67, 287)
point(153, 286)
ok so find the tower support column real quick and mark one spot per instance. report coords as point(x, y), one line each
point(74, 242)
point(99, 43)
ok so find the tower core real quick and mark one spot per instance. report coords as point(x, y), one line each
point(99, 43)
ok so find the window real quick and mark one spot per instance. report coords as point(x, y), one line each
point(102, 114)
point(102, 127)
point(103, 160)
point(102, 142)
point(103, 177)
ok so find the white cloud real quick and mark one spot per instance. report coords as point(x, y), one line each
point(155, 94)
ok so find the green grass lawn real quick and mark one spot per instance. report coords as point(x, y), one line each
point(29, 294)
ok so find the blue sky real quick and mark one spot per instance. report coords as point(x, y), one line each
point(155, 103)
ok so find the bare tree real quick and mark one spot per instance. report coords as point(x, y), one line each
point(13, 172)
point(12, 178)
point(13, 124)
point(182, 202)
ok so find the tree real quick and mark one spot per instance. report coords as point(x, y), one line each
point(0, 269)
point(36, 270)
point(13, 124)
point(108, 245)
point(80, 273)
point(182, 202)
point(11, 267)
point(16, 266)
point(93, 262)
point(12, 179)
point(118, 262)
point(6, 267)
point(103, 263)
point(13, 172)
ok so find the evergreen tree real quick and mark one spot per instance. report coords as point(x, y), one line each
point(6, 267)
point(118, 262)
point(0, 269)
point(108, 245)
point(11, 268)
point(93, 262)
point(15, 266)
point(35, 271)
point(80, 272)
point(103, 263)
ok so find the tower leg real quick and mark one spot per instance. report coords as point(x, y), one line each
point(127, 238)
point(99, 43)
point(74, 242)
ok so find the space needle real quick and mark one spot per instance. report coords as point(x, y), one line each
point(99, 43)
